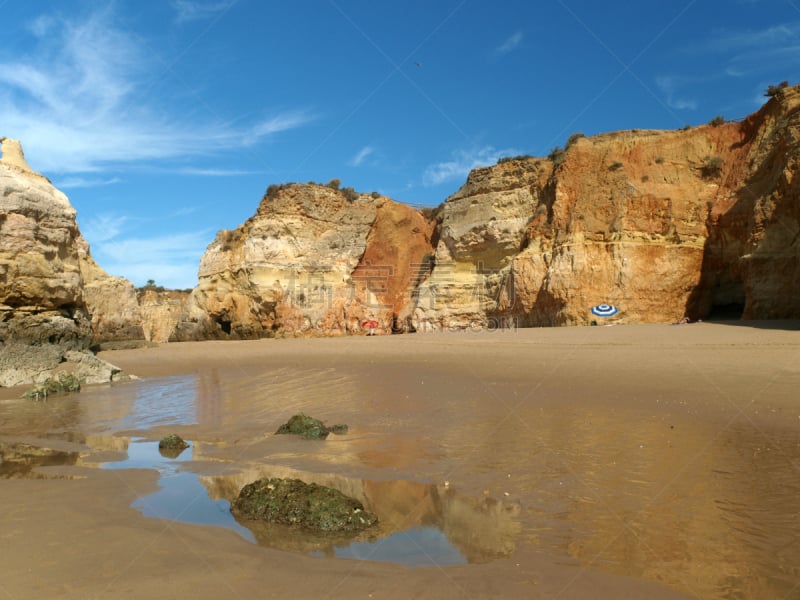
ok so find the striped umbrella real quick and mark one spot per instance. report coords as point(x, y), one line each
point(604, 310)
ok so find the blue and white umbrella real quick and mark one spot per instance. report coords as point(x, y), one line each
point(604, 310)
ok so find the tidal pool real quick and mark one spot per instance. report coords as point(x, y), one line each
point(181, 497)
point(415, 528)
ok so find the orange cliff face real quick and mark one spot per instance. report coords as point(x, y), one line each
point(313, 260)
point(663, 224)
point(690, 223)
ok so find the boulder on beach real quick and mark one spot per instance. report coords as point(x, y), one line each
point(310, 428)
point(172, 445)
point(306, 505)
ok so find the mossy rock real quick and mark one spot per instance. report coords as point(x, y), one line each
point(310, 428)
point(64, 383)
point(306, 505)
point(172, 442)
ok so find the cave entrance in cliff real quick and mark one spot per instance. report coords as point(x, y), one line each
point(727, 301)
point(224, 324)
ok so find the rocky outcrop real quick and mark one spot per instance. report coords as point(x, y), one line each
point(160, 311)
point(111, 301)
point(482, 228)
point(45, 319)
point(663, 224)
point(313, 260)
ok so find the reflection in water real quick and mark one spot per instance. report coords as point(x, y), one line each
point(418, 524)
point(18, 460)
point(209, 398)
point(703, 508)
point(415, 547)
point(24, 417)
point(163, 401)
point(708, 506)
point(181, 497)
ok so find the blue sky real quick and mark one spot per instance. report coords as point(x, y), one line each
point(165, 120)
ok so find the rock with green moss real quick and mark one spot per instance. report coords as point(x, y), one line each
point(61, 384)
point(172, 445)
point(306, 505)
point(310, 428)
point(172, 442)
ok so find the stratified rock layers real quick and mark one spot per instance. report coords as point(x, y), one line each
point(312, 261)
point(45, 317)
point(664, 224)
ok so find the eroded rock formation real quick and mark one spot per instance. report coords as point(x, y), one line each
point(313, 260)
point(45, 318)
point(663, 224)
point(160, 310)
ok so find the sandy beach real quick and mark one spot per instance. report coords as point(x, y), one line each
point(649, 461)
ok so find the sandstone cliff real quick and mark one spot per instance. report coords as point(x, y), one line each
point(160, 311)
point(45, 318)
point(663, 224)
point(698, 222)
point(313, 260)
point(111, 301)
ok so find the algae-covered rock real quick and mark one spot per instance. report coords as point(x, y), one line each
point(62, 384)
point(172, 442)
point(310, 428)
point(171, 446)
point(306, 505)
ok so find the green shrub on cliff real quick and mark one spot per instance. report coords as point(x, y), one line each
point(273, 190)
point(506, 159)
point(574, 138)
point(556, 155)
point(712, 166)
point(775, 90)
point(350, 194)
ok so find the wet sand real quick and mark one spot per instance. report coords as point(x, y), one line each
point(608, 462)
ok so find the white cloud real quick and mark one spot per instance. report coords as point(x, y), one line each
point(750, 52)
point(669, 85)
point(84, 182)
point(171, 260)
point(281, 122)
point(462, 163)
point(212, 172)
point(361, 156)
point(192, 10)
point(777, 35)
point(103, 228)
point(181, 245)
point(509, 44)
point(682, 104)
point(78, 100)
point(175, 276)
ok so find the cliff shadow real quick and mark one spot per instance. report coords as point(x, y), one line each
point(751, 259)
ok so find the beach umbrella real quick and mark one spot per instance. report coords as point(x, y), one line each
point(371, 324)
point(604, 310)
